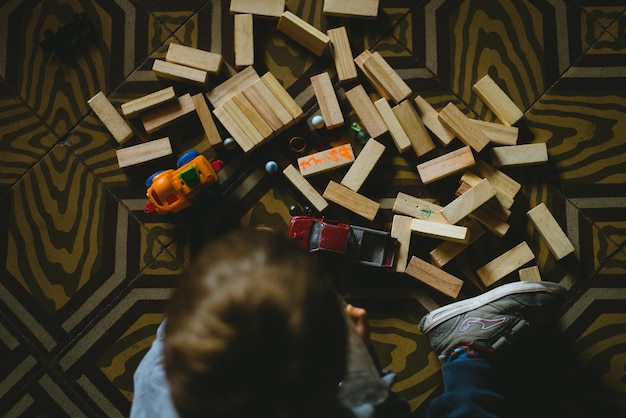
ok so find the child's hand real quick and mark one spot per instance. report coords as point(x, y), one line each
point(358, 317)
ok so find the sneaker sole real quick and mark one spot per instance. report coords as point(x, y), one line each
point(446, 312)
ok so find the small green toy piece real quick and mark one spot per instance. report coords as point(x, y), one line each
point(361, 134)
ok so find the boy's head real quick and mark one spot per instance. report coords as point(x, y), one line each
point(254, 330)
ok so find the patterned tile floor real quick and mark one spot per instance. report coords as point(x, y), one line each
point(85, 274)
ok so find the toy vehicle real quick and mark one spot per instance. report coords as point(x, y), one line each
point(171, 191)
point(357, 244)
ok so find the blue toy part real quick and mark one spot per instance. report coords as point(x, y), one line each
point(187, 157)
point(150, 179)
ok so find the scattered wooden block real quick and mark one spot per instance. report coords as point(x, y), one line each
point(163, 116)
point(194, 58)
point(446, 232)
point(505, 264)
point(461, 126)
point(180, 73)
point(109, 117)
point(326, 160)
point(237, 83)
point(359, 61)
point(142, 153)
point(401, 230)
point(498, 179)
point(206, 119)
point(238, 134)
point(135, 107)
point(414, 128)
point(516, 155)
point(366, 9)
point(430, 118)
point(350, 200)
point(446, 165)
point(468, 202)
point(434, 277)
point(303, 33)
point(253, 117)
point(308, 191)
point(530, 274)
point(363, 165)
point(473, 179)
point(283, 96)
point(271, 8)
point(492, 207)
point(244, 40)
point(327, 100)
point(366, 112)
point(560, 246)
point(447, 251)
point(497, 133)
point(387, 76)
point(268, 107)
point(400, 138)
point(496, 226)
point(417, 208)
point(497, 100)
point(244, 123)
point(342, 54)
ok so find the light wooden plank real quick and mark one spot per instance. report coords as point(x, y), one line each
point(194, 58)
point(359, 61)
point(418, 208)
point(497, 133)
point(497, 100)
point(530, 274)
point(363, 165)
point(411, 122)
point(160, 117)
point(253, 116)
point(283, 96)
point(434, 277)
point(361, 9)
point(235, 84)
point(265, 110)
point(447, 251)
point(148, 151)
point(342, 54)
point(461, 126)
point(307, 190)
point(560, 246)
point(326, 160)
point(430, 118)
point(268, 104)
point(518, 155)
point(401, 230)
point(495, 225)
point(400, 138)
point(303, 33)
point(498, 179)
point(445, 232)
point(134, 108)
point(468, 202)
point(472, 179)
point(113, 121)
point(244, 123)
point(446, 165)
point(206, 119)
point(327, 100)
point(505, 264)
point(366, 112)
point(350, 200)
point(244, 40)
point(268, 8)
point(181, 73)
point(238, 134)
point(388, 77)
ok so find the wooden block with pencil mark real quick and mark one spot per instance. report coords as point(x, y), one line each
point(446, 165)
point(180, 73)
point(307, 190)
point(327, 100)
point(401, 230)
point(359, 61)
point(268, 8)
point(326, 160)
point(430, 118)
point(350, 200)
point(342, 54)
point(530, 274)
point(418, 208)
point(194, 58)
point(505, 264)
point(235, 84)
point(135, 107)
point(366, 112)
point(446, 232)
point(363, 165)
point(283, 96)
point(206, 119)
point(269, 106)
point(109, 117)
point(363, 9)
point(560, 246)
point(387, 76)
point(517, 155)
point(142, 153)
point(231, 125)
point(461, 126)
point(303, 33)
point(468, 202)
point(414, 128)
point(244, 40)
point(497, 100)
point(448, 250)
point(163, 116)
point(400, 138)
point(434, 277)
point(497, 133)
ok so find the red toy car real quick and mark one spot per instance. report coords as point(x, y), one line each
point(358, 244)
point(172, 190)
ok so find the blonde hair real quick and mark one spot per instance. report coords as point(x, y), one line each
point(254, 330)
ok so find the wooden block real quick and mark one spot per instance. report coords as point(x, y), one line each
point(326, 160)
point(430, 118)
point(238, 134)
point(497, 100)
point(350, 200)
point(365, 9)
point(417, 208)
point(492, 206)
point(253, 116)
point(363, 165)
point(244, 40)
point(308, 191)
point(109, 117)
point(244, 123)
point(530, 274)
point(414, 128)
point(400, 138)
point(498, 179)
point(505, 264)
point(264, 107)
point(550, 230)
point(461, 126)
point(359, 61)
point(237, 83)
point(135, 107)
point(327, 100)
point(387, 76)
point(194, 58)
point(283, 96)
point(271, 8)
point(496, 226)
point(180, 73)
point(446, 165)
point(517, 155)
point(473, 179)
point(303, 33)
point(434, 277)
point(497, 133)
point(366, 112)
point(148, 151)
point(447, 251)
point(401, 230)
point(163, 116)
point(342, 54)
point(206, 119)
point(452, 233)
point(468, 202)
